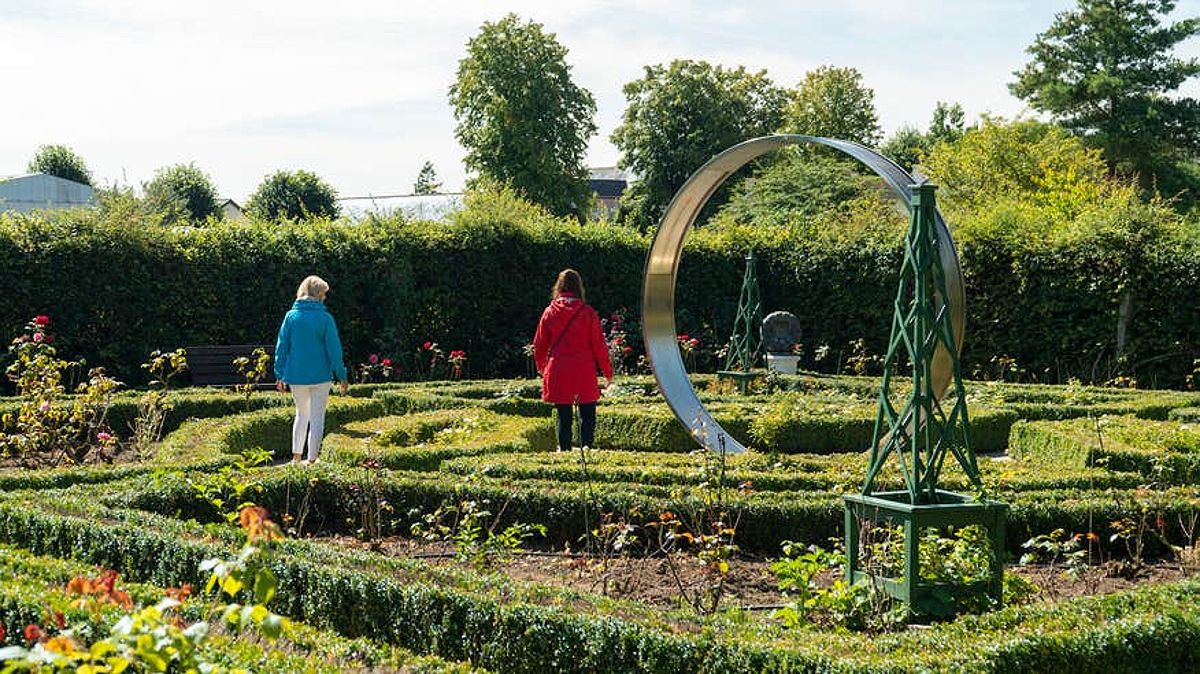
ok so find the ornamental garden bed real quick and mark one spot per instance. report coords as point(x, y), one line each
point(352, 566)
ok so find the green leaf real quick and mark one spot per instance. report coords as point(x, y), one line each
point(265, 585)
point(272, 626)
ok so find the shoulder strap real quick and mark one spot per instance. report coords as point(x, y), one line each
point(566, 327)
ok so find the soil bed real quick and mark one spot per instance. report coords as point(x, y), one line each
point(750, 583)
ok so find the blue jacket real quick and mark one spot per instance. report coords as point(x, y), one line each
point(308, 350)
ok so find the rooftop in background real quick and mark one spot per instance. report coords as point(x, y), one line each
point(35, 191)
point(412, 206)
point(608, 183)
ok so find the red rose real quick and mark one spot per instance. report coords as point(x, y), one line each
point(60, 620)
point(373, 358)
point(49, 339)
point(683, 337)
point(694, 342)
point(2, 633)
point(387, 362)
point(33, 632)
point(42, 320)
point(627, 350)
point(428, 346)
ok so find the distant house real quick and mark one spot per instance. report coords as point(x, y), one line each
point(230, 210)
point(35, 191)
point(608, 184)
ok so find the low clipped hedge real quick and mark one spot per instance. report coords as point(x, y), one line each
point(422, 440)
point(1164, 451)
point(506, 626)
point(269, 429)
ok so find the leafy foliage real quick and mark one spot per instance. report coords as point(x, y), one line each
point(677, 118)
point(61, 161)
point(805, 190)
point(907, 146)
point(182, 193)
point(833, 102)
point(293, 195)
point(1106, 70)
point(520, 117)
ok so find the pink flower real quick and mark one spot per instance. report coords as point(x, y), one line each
point(694, 342)
point(428, 346)
point(38, 337)
point(42, 320)
point(373, 358)
point(627, 350)
point(103, 437)
point(45, 406)
point(387, 362)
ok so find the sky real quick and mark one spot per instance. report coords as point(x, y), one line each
point(355, 91)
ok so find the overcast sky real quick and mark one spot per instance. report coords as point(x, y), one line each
point(356, 90)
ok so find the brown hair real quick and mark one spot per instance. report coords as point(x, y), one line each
point(568, 281)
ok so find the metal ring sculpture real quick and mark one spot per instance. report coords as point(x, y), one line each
point(662, 267)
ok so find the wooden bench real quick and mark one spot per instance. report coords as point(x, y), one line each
point(213, 365)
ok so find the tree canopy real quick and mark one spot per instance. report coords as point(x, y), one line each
point(833, 102)
point(679, 116)
point(521, 118)
point(60, 161)
point(1023, 159)
point(293, 195)
point(1105, 70)
point(908, 145)
point(182, 193)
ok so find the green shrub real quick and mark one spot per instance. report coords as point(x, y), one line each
point(1056, 322)
point(1163, 451)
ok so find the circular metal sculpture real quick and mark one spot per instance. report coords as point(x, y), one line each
point(780, 330)
point(662, 268)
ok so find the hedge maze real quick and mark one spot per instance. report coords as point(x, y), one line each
point(1073, 458)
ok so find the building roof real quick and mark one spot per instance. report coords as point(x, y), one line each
point(607, 173)
point(33, 191)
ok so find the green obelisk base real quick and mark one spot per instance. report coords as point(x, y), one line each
point(950, 510)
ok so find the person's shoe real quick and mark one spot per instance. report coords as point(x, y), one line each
point(312, 461)
point(305, 462)
point(296, 459)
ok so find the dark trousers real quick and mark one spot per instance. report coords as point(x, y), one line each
point(587, 425)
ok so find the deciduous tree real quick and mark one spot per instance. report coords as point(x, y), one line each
point(521, 118)
point(61, 161)
point(293, 195)
point(182, 193)
point(834, 103)
point(677, 118)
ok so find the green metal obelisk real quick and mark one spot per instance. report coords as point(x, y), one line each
point(930, 426)
point(923, 432)
point(746, 340)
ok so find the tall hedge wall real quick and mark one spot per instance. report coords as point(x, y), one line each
point(117, 292)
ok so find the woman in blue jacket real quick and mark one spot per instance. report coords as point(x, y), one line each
point(308, 359)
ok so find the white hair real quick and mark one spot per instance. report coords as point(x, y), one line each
point(313, 287)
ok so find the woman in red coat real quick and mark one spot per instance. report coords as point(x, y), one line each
point(568, 348)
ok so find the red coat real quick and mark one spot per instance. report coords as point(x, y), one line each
point(568, 365)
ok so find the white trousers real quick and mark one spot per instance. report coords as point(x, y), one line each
point(311, 400)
